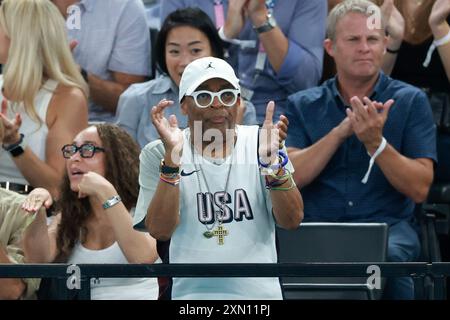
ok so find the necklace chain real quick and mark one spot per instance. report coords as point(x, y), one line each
point(218, 216)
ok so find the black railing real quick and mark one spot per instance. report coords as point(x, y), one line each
point(418, 270)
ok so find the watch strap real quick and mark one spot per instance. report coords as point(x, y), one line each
point(267, 26)
point(15, 149)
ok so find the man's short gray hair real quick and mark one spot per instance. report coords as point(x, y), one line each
point(364, 7)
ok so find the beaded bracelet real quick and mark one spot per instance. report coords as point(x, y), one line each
point(170, 176)
point(172, 182)
point(283, 160)
point(275, 183)
point(281, 172)
point(285, 174)
point(292, 186)
point(278, 180)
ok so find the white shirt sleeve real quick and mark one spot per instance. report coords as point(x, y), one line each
point(150, 159)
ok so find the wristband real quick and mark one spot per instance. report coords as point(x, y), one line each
point(380, 149)
point(284, 160)
point(292, 186)
point(173, 182)
point(436, 43)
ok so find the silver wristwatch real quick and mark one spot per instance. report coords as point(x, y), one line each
point(267, 26)
point(111, 202)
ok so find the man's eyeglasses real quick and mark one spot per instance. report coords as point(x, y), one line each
point(205, 98)
point(87, 150)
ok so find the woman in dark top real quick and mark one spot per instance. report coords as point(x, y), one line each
point(413, 26)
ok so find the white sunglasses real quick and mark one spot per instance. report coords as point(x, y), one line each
point(205, 98)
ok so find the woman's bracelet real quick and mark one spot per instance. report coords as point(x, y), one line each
point(111, 202)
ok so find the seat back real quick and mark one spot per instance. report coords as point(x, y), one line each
point(332, 242)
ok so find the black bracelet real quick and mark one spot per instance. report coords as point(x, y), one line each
point(15, 149)
point(13, 145)
point(168, 170)
point(393, 51)
point(84, 74)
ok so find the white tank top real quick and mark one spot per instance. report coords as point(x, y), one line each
point(35, 133)
point(114, 288)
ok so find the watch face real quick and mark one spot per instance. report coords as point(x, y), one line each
point(17, 151)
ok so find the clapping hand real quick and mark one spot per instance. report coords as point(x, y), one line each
point(395, 23)
point(11, 126)
point(439, 14)
point(271, 136)
point(344, 129)
point(367, 119)
point(235, 18)
point(256, 8)
point(169, 132)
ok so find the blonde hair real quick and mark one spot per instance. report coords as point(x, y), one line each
point(342, 9)
point(38, 50)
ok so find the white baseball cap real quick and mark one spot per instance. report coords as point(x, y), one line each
point(203, 69)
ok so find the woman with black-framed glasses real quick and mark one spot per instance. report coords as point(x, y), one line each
point(87, 150)
point(93, 223)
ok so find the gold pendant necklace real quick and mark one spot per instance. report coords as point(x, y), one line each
point(220, 233)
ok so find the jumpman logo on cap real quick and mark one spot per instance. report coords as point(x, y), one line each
point(210, 66)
